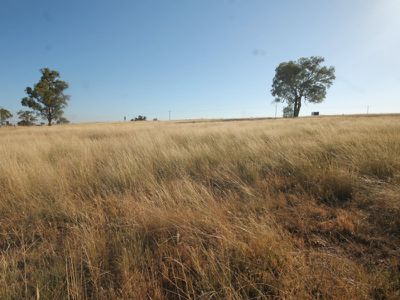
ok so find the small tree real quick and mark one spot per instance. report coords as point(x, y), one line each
point(4, 115)
point(27, 118)
point(47, 97)
point(304, 79)
point(288, 111)
point(62, 120)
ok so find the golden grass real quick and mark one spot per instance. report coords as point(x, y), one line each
point(293, 209)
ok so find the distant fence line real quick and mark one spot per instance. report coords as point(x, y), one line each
point(268, 111)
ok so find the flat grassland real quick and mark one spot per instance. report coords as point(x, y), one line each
point(295, 209)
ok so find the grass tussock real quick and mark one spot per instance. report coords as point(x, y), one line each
point(292, 209)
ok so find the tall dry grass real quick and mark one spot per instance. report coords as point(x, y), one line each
point(293, 209)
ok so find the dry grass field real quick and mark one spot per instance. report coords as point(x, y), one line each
point(289, 209)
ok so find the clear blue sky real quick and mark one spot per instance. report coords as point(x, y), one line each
point(205, 58)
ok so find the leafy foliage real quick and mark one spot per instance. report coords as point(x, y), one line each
point(4, 115)
point(47, 97)
point(27, 118)
point(288, 111)
point(302, 79)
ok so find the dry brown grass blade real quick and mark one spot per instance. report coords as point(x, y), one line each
point(289, 209)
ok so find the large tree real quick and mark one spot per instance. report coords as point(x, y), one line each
point(4, 115)
point(27, 118)
point(302, 80)
point(47, 96)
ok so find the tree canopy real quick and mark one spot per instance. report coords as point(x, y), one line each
point(47, 96)
point(4, 115)
point(302, 80)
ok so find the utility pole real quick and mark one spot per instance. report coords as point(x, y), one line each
point(367, 109)
point(276, 108)
point(169, 115)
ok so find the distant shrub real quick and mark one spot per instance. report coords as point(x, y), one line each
point(24, 123)
point(139, 118)
point(62, 121)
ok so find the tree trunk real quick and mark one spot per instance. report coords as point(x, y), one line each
point(297, 105)
point(49, 117)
